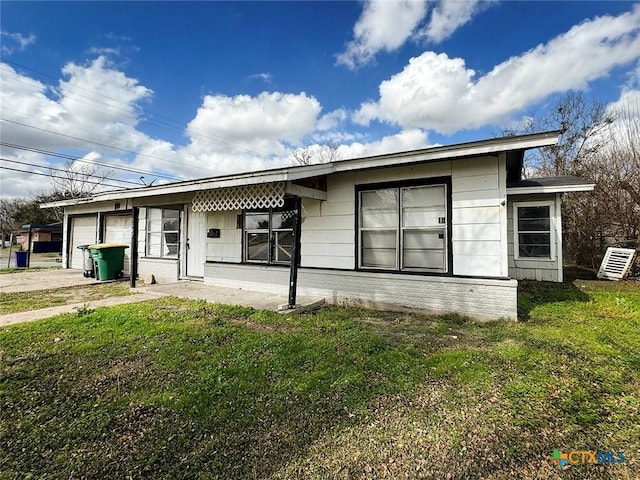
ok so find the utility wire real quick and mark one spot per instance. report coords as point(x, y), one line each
point(153, 117)
point(67, 171)
point(57, 176)
point(92, 162)
point(95, 143)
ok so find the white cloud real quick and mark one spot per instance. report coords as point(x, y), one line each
point(93, 102)
point(404, 141)
point(103, 51)
point(441, 93)
point(448, 16)
point(331, 120)
point(264, 76)
point(16, 42)
point(241, 133)
point(383, 26)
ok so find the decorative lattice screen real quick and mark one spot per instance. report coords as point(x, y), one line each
point(263, 195)
point(616, 263)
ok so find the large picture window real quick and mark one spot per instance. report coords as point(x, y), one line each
point(404, 228)
point(163, 232)
point(268, 235)
point(533, 230)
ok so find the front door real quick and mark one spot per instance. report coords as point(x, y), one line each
point(196, 242)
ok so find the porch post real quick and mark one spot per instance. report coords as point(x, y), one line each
point(295, 254)
point(133, 258)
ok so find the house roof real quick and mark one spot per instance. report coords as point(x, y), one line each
point(564, 183)
point(514, 146)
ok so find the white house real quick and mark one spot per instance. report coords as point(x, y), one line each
point(444, 229)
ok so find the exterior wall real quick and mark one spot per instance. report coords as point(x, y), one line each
point(164, 270)
point(328, 226)
point(479, 217)
point(547, 270)
point(227, 248)
point(87, 209)
point(479, 298)
point(478, 206)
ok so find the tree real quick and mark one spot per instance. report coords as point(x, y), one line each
point(8, 222)
point(586, 138)
point(77, 180)
point(584, 125)
point(313, 154)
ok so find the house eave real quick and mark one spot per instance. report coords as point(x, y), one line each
point(286, 174)
point(551, 189)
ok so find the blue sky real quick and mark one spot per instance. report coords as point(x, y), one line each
point(197, 89)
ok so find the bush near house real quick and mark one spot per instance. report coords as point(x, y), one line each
point(182, 389)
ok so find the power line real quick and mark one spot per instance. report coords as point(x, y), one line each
point(92, 162)
point(153, 117)
point(95, 143)
point(67, 171)
point(55, 176)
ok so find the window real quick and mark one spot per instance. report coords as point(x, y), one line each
point(163, 232)
point(268, 235)
point(533, 230)
point(404, 228)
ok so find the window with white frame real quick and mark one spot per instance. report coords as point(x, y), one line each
point(404, 228)
point(533, 230)
point(163, 232)
point(268, 235)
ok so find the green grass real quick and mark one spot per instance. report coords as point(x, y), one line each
point(184, 389)
point(30, 269)
point(24, 301)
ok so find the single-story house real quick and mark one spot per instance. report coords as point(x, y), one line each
point(443, 229)
point(40, 238)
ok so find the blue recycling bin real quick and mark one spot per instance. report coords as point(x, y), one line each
point(21, 259)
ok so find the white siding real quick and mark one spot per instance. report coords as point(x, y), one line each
point(118, 230)
point(164, 270)
point(68, 252)
point(478, 243)
point(227, 248)
point(534, 269)
point(328, 226)
point(478, 298)
point(83, 232)
point(327, 238)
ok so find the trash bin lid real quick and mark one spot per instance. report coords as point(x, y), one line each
point(98, 246)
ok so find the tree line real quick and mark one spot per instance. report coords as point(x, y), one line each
point(602, 146)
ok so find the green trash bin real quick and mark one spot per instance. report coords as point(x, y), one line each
point(109, 259)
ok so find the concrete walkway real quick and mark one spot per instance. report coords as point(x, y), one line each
point(231, 296)
point(32, 281)
point(32, 315)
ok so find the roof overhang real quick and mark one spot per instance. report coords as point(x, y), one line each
point(563, 184)
point(514, 144)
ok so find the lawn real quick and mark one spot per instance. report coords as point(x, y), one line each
point(23, 301)
point(174, 389)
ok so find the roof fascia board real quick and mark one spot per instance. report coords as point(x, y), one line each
point(306, 192)
point(586, 187)
point(474, 149)
point(482, 147)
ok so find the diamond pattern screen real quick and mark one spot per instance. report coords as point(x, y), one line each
point(262, 195)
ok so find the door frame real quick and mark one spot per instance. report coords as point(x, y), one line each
point(184, 265)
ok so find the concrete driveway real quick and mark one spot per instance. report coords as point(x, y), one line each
point(31, 281)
